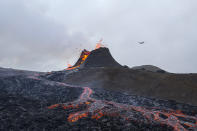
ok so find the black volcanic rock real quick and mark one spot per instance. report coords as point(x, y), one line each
point(100, 58)
point(25, 97)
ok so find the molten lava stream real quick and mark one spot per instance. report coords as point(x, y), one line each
point(96, 109)
point(84, 56)
point(81, 60)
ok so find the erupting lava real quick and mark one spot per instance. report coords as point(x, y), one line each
point(69, 65)
point(84, 56)
point(99, 44)
point(82, 59)
point(90, 107)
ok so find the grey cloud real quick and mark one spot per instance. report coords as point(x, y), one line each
point(31, 40)
point(33, 33)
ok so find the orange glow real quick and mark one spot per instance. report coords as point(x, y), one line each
point(87, 103)
point(98, 115)
point(69, 65)
point(83, 57)
point(99, 44)
point(75, 117)
point(53, 106)
point(70, 68)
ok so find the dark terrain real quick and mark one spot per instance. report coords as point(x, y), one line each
point(98, 97)
point(178, 87)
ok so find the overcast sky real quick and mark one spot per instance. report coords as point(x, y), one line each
point(45, 35)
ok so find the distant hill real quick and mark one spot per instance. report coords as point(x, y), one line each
point(149, 68)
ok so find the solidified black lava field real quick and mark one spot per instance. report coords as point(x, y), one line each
point(44, 101)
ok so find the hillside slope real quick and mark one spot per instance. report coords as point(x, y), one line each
point(178, 87)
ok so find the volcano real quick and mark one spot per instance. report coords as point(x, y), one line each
point(97, 93)
point(100, 57)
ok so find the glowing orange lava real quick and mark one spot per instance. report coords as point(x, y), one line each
point(84, 56)
point(99, 108)
point(69, 65)
point(99, 44)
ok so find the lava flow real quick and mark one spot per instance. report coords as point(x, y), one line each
point(84, 55)
point(90, 107)
point(81, 60)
